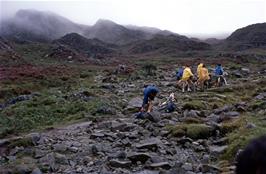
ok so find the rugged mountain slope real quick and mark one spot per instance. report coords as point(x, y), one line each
point(32, 25)
point(111, 32)
point(248, 37)
point(167, 44)
point(90, 47)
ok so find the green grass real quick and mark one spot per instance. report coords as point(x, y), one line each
point(44, 110)
point(241, 135)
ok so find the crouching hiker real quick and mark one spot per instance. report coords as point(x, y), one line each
point(169, 105)
point(150, 93)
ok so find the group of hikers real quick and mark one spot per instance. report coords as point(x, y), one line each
point(252, 158)
point(186, 78)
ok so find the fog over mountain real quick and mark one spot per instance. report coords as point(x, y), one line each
point(202, 19)
point(36, 25)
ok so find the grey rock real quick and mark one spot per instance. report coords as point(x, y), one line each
point(187, 166)
point(217, 150)
point(226, 108)
point(149, 145)
point(191, 113)
point(119, 163)
point(148, 172)
point(94, 149)
point(232, 114)
point(36, 171)
point(209, 168)
point(97, 135)
point(121, 155)
point(153, 116)
point(22, 169)
point(73, 149)
point(35, 137)
point(40, 153)
point(245, 71)
point(261, 96)
point(48, 162)
point(61, 159)
point(163, 165)
point(135, 103)
point(250, 126)
point(135, 157)
point(59, 147)
point(205, 159)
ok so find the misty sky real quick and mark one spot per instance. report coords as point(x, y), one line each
point(190, 17)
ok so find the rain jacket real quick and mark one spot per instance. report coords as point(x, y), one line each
point(187, 74)
point(179, 73)
point(219, 70)
point(147, 91)
point(199, 68)
point(204, 74)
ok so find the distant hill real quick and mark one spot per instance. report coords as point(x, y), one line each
point(90, 47)
point(110, 32)
point(166, 44)
point(251, 36)
point(213, 41)
point(37, 26)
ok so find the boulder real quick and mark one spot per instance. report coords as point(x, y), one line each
point(120, 164)
point(163, 165)
point(133, 105)
point(153, 116)
point(135, 157)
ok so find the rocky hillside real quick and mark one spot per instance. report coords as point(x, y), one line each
point(111, 32)
point(167, 44)
point(90, 47)
point(37, 26)
point(202, 135)
point(248, 37)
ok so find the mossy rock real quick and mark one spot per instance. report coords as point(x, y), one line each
point(194, 131)
point(194, 105)
point(230, 126)
point(197, 131)
point(25, 142)
point(258, 105)
point(190, 120)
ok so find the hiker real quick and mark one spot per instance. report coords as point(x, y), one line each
point(199, 69)
point(203, 76)
point(168, 105)
point(149, 94)
point(252, 160)
point(179, 73)
point(219, 74)
point(187, 78)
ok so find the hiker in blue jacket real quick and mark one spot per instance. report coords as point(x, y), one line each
point(179, 73)
point(219, 74)
point(149, 94)
point(218, 70)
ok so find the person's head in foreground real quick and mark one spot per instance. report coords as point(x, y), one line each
point(252, 160)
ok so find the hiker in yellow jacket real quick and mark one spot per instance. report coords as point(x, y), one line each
point(199, 69)
point(203, 76)
point(187, 78)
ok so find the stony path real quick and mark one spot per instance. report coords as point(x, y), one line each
point(119, 146)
